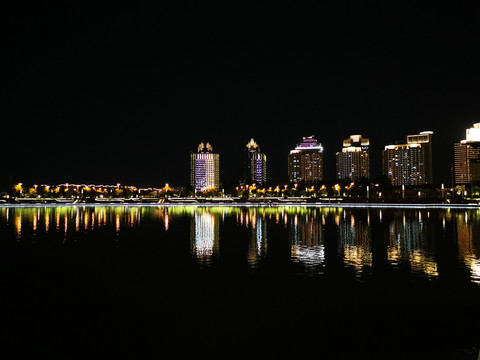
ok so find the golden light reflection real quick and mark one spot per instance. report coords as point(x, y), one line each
point(411, 236)
point(86, 220)
point(35, 221)
point(408, 243)
point(357, 256)
point(423, 263)
point(30, 220)
point(47, 221)
point(77, 220)
point(354, 239)
point(468, 232)
point(65, 226)
point(166, 222)
point(117, 223)
point(18, 225)
point(57, 220)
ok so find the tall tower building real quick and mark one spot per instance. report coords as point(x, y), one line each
point(467, 157)
point(353, 161)
point(255, 165)
point(410, 163)
point(425, 141)
point(305, 162)
point(204, 168)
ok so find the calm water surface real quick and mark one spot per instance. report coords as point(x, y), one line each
point(382, 282)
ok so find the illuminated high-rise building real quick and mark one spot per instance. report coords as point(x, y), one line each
point(410, 163)
point(305, 162)
point(255, 165)
point(204, 168)
point(425, 141)
point(467, 157)
point(353, 161)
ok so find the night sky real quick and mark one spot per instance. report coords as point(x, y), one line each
point(123, 95)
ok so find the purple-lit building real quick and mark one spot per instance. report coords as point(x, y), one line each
point(305, 162)
point(255, 165)
point(205, 168)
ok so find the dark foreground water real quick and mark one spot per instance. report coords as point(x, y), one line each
point(158, 282)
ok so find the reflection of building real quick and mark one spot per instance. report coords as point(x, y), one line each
point(353, 161)
point(205, 234)
point(467, 157)
point(305, 162)
point(255, 165)
point(204, 168)
point(305, 230)
point(306, 239)
point(468, 225)
point(407, 243)
point(354, 238)
point(410, 163)
point(258, 243)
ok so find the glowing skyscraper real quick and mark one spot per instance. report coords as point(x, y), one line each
point(305, 162)
point(410, 163)
point(255, 165)
point(204, 168)
point(353, 162)
point(467, 157)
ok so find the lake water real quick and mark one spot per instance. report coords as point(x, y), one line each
point(259, 282)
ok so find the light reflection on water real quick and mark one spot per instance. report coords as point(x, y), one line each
point(359, 238)
point(205, 235)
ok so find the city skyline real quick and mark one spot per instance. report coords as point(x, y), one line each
point(217, 180)
point(128, 133)
point(120, 96)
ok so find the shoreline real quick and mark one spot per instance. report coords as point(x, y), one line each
point(256, 205)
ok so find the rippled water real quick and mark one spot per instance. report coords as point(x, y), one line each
point(410, 237)
point(264, 262)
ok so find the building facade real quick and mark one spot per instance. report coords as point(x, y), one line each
point(410, 163)
point(467, 157)
point(204, 168)
point(425, 141)
point(305, 162)
point(255, 165)
point(353, 162)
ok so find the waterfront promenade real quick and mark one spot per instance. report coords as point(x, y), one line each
point(234, 202)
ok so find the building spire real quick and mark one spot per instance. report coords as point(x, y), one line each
point(204, 147)
point(252, 145)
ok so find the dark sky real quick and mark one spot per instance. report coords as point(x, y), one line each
point(123, 95)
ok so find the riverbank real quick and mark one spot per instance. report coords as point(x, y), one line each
point(248, 204)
